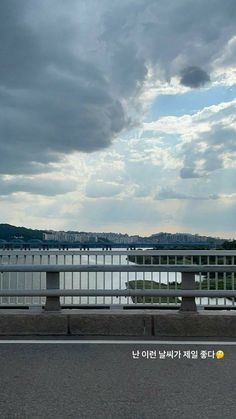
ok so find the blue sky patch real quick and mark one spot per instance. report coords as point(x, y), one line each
point(190, 102)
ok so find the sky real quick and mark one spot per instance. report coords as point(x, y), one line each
point(118, 115)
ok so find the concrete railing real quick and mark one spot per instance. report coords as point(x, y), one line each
point(52, 292)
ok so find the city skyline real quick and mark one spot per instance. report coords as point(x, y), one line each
point(113, 237)
point(119, 117)
point(8, 231)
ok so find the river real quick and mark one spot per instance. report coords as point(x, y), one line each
point(91, 280)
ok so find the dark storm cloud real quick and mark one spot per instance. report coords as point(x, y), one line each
point(58, 116)
point(127, 69)
point(20, 52)
point(51, 102)
point(68, 73)
point(194, 77)
point(170, 35)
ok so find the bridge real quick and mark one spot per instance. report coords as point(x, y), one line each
point(120, 333)
point(174, 283)
point(65, 245)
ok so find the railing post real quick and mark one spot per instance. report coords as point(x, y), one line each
point(188, 282)
point(52, 282)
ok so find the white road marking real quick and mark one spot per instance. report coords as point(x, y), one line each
point(120, 342)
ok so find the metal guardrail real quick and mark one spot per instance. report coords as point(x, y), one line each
point(53, 291)
point(63, 245)
point(118, 270)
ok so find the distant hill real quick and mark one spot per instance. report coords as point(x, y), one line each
point(9, 232)
point(229, 245)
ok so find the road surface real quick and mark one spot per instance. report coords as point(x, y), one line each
point(93, 380)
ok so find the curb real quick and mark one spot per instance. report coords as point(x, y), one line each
point(150, 323)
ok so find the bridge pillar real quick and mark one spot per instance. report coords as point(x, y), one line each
point(188, 283)
point(52, 282)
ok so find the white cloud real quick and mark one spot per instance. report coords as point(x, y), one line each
point(92, 72)
point(166, 193)
point(101, 189)
point(206, 139)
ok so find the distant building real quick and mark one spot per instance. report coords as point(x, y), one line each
point(159, 238)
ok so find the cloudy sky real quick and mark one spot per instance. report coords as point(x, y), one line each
point(118, 115)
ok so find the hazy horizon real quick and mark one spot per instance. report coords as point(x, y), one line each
point(113, 232)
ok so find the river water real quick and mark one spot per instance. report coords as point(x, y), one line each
point(84, 280)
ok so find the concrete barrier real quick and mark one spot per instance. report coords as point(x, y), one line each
point(26, 323)
point(120, 323)
point(196, 324)
point(94, 322)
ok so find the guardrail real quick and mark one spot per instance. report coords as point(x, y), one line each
point(52, 292)
point(121, 279)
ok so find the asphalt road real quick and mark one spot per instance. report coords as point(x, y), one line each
point(94, 380)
